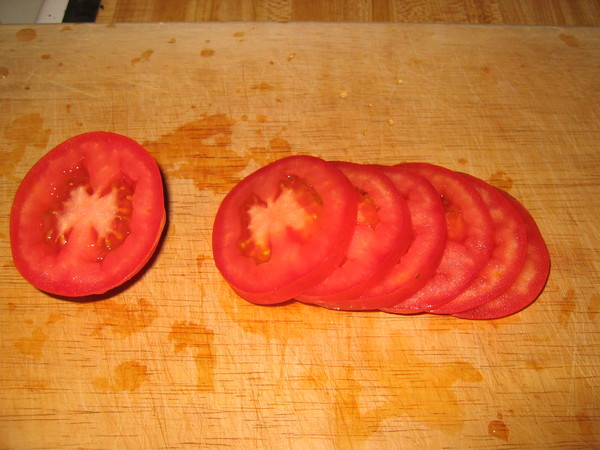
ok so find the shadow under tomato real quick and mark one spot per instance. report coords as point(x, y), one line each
point(135, 278)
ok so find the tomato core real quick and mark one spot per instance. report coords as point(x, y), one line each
point(99, 221)
point(294, 211)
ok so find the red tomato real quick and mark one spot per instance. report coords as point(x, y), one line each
point(284, 228)
point(88, 215)
point(470, 233)
point(529, 282)
point(381, 235)
point(508, 253)
point(428, 239)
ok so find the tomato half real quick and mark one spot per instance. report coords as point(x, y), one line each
point(470, 233)
point(88, 215)
point(508, 253)
point(428, 239)
point(382, 233)
point(284, 228)
point(529, 282)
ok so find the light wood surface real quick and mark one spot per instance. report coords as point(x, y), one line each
point(177, 360)
point(521, 12)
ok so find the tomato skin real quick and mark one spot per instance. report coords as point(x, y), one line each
point(530, 281)
point(381, 236)
point(508, 253)
point(101, 164)
point(468, 245)
point(262, 213)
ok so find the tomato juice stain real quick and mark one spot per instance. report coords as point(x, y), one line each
point(501, 180)
point(567, 306)
point(207, 52)
point(124, 319)
point(569, 40)
point(32, 345)
point(26, 35)
point(199, 340)
point(127, 376)
point(498, 429)
point(24, 131)
point(145, 56)
point(202, 150)
point(263, 87)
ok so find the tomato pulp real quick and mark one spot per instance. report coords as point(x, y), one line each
point(382, 233)
point(428, 239)
point(87, 216)
point(284, 228)
point(469, 239)
point(529, 282)
point(508, 252)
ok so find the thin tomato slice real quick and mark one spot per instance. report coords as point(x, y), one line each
point(284, 228)
point(529, 282)
point(381, 236)
point(428, 238)
point(470, 233)
point(508, 253)
point(88, 215)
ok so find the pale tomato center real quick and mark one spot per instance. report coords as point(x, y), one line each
point(294, 212)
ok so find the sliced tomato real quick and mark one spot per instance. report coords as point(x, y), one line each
point(508, 253)
point(284, 228)
point(87, 216)
point(427, 243)
point(470, 233)
point(382, 233)
point(529, 282)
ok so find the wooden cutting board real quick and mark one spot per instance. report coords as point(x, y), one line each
point(177, 360)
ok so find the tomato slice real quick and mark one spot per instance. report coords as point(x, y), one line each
point(381, 236)
point(88, 215)
point(284, 228)
point(529, 282)
point(508, 253)
point(470, 233)
point(428, 238)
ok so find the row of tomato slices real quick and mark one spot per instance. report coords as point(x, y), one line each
point(405, 239)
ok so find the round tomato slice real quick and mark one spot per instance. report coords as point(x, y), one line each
point(88, 215)
point(284, 228)
point(529, 282)
point(470, 233)
point(428, 238)
point(508, 253)
point(381, 236)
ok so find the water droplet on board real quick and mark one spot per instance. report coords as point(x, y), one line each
point(498, 429)
point(4, 72)
point(206, 52)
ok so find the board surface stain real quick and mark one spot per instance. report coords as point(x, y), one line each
point(127, 376)
point(125, 319)
point(199, 340)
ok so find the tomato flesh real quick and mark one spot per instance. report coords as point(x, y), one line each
point(508, 253)
point(88, 215)
point(382, 233)
point(284, 228)
point(529, 282)
point(468, 245)
point(428, 236)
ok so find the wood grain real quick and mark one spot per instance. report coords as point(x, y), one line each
point(175, 359)
point(515, 12)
